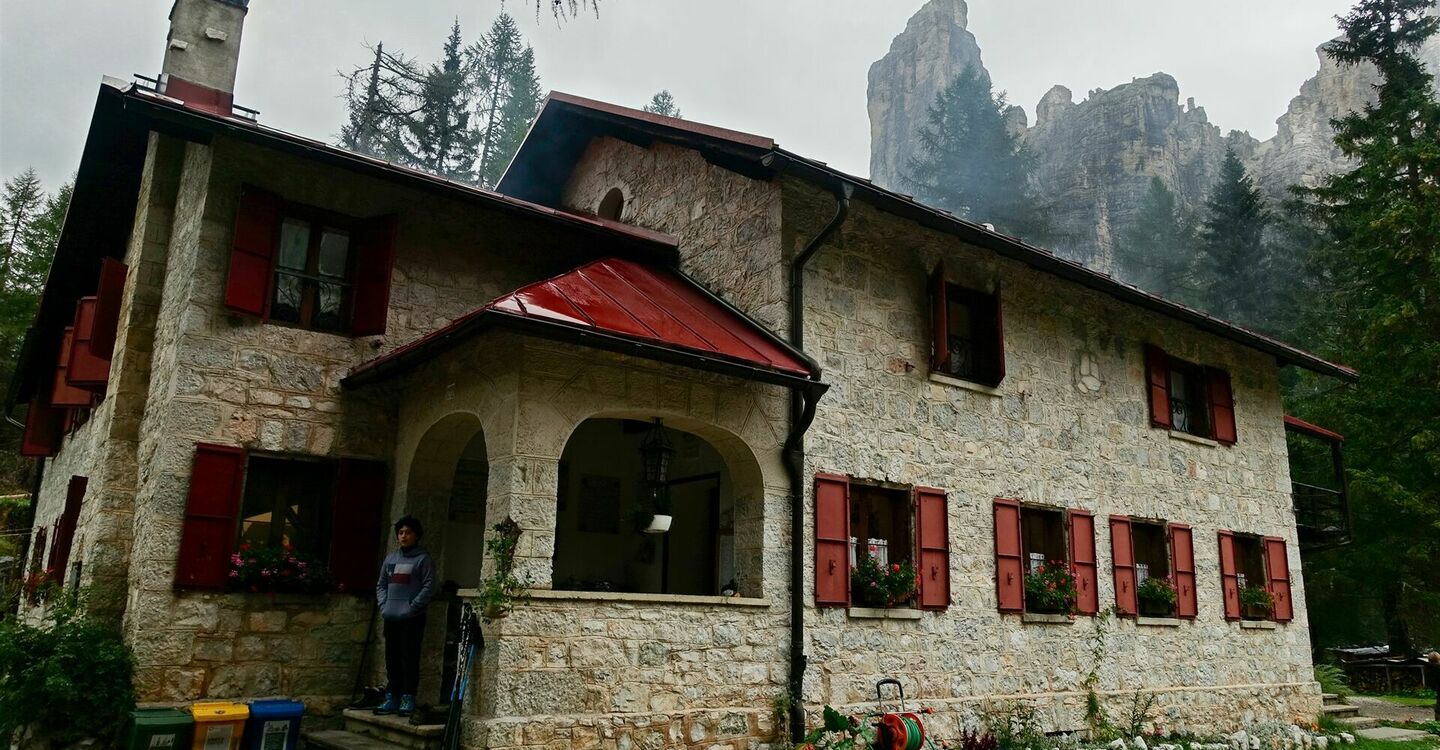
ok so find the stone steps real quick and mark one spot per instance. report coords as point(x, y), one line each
point(1339, 710)
point(366, 731)
point(1331, 699)
point(1360, 722)
point(339, 739)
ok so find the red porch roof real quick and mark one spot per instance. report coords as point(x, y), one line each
point(626, 306)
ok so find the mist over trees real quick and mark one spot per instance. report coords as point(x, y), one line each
point(969, 163)
point(462, 116)
point(30, 222)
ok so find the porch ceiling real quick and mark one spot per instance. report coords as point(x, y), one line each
point(625, 306)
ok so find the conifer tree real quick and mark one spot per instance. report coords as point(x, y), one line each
point(362, 132)
point(1379, 310)
point(20, 208)
point(1232, 267)
point(439, 136)
point(508, 95)
point(663, 103)
point(1155, 251)
point(970, 164)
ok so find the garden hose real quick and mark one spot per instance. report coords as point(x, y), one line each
point(901, 732)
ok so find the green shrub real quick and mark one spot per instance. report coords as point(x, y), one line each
point(70, 675)
point(1332, 679)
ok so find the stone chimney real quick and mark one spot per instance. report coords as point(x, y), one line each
point(202, 52)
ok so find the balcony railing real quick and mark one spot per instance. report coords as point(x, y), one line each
point(1322, 516)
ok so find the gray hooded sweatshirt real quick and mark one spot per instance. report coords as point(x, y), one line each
point(407, 582)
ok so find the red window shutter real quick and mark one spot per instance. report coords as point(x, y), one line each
point(1182, 563)
point(832, 540)
point(1157, 379)
point(42, 430)
point(940, 320)
point(1222, 405)
point(357, 517)
point(65, 526)
point(1009, 559)
point(37, 552)
point(375, 246)
point(1083, 562)
point(1277, 570)
point(65, 394)
point(1229, 582)
point(109, 294)
point(86, 369)
point(1122, 556)
point(252, 254)
point(932, 539)
point(217, 479)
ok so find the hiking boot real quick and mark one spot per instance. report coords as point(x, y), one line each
point(388, 706)
point(407, 705)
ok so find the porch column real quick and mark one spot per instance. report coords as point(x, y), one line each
point(524, 488)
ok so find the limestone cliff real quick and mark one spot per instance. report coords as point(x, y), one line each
point(1095, 158)
point(933, 50)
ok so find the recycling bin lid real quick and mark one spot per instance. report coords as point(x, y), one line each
point(277, 709)
point(219, 711)
point(160, 717)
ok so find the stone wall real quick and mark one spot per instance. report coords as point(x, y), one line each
point(1045, 435)
point(728, 225)
point(202, 374)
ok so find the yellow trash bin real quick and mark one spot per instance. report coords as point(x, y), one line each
point(218, 725)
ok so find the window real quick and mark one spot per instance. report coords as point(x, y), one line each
point(1255, 574)
point(967, 328)
point(287, 504)
point(612, 206)
point(312, 274)
point(1039, 546)
point(858, 521)
point(1149, 558)
point(308, 267)
point(234, 498)
point(1189, 398)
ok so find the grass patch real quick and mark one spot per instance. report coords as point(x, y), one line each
point(1417, 701)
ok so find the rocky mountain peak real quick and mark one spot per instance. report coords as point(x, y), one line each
point(933, 50)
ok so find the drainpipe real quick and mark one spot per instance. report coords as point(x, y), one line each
point(802, 414)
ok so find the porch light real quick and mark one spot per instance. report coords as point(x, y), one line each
point(656, 451)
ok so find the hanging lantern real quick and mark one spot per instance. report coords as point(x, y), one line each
point(656, 451)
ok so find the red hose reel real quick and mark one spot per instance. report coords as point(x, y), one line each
point(897, 730)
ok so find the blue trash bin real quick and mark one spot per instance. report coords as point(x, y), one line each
point(274, 725)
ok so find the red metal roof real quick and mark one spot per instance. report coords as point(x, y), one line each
point(614, 299)
point(1299, 425)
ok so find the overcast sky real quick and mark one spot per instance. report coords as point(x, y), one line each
point(794, 70)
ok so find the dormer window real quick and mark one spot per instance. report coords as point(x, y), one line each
point(612, 206)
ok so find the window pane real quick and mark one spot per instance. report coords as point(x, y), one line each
point(334, 253)
point(287, 502)
point(289, 291)
point(328, 307)
point(294, 244)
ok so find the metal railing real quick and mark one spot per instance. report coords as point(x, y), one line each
point(1322, 516)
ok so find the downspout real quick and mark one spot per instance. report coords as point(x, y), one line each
point(802, 414)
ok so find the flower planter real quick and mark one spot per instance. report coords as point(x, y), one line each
point(1255, 612)
point(1156, 609)
point(659, 524)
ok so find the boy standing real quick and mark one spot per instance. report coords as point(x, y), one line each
point(407, 581)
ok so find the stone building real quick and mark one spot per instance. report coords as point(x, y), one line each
point(251, 338)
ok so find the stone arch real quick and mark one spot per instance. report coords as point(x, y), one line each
point(446, 488)
point(738, 501)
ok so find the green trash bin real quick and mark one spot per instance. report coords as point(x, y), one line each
point(159, 729)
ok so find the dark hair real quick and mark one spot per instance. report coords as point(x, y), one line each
point(412, 523)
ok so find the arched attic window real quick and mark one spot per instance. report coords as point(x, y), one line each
point(612, 205)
